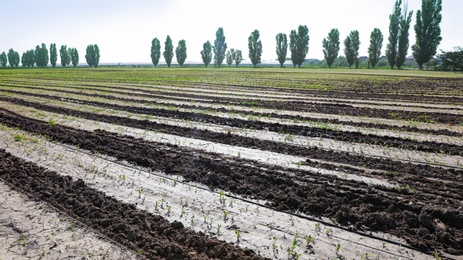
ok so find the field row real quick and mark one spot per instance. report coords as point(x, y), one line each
point(359, 184)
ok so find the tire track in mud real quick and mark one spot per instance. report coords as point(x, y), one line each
point(424, 220)
point(388, 141)
point(334, 109)
point(152, 235)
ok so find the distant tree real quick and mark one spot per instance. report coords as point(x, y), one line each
point(282, 48)
point(180, 52)
point(374, 50)
point(255, 48)
point(74, 56)
point(92, 55)
point(452, 60)
point(3, 60)
point(351, 47)
point(394, 27)
point(29, 58)
point(331, 47)
point(13, 58)
point(168, 51)
point(230, 56)
point(238, 57)
point(53, 55)
point(220, 47)
point(404, 26)
point(41, 55)
point(299, 45)
point(65, 56)
point(427, 31)
point(206, 53)
point(155, 51)
point(24, 60)
point(340, 61)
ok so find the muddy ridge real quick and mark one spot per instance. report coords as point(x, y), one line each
point(356, 137)
point(152, 235)
point(414, 216)
point(329, 108)
point(416, 171)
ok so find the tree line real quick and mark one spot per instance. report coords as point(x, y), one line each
point(41, 56)
point(427, 31)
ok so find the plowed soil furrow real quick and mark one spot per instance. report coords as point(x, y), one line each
point(356, 137)
point(138, 230)
point(409, 173)
point(334, 108)
point(416, 218)
point(270, 115)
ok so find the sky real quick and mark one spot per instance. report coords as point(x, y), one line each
point(124, 29)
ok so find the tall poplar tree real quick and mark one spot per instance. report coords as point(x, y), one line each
point(65, 56)
point(41, 55)
point(404, 25)
point(92, 55)
point(351, 47)
point(168, 51)
point(394, 27)
point(281, 48)
point(53, 54)
point(331, 47)
point(3, 60)
point(299, 45)
point(74, 56)
point(13, 58)
point(180, 52)
point(155, 51)
point(374, 50)
point(220, 47)
point(206, 53)
point(427, 31)
point(255, 48)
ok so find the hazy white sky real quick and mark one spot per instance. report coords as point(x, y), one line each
point(124, 29)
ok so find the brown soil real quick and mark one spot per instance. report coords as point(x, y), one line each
point(356, 137)
point(138, 230)
point(428, 219)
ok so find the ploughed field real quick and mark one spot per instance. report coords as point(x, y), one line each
point(231, 164)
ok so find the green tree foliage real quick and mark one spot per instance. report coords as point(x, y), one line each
point(230, 56)
point(427, 31)
point(74, 56)
point(281, 48)
point(404, 26)
point(155, 51)
point(299, 45)
point(452, 60)
point(27, 59)
point(394, 27)
point(237, 57)
point(220, 47)
point(180, 52)
point(13, 58)
point(351, 48)
point(53, 55)
point(23, 60)
point(3, 60)
point(206, 53)
point(255, 48)
point(374, 50)
point(92, 55)
point(168, 51)
point(331, 47)
point(41, 55)
point(65, 55)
